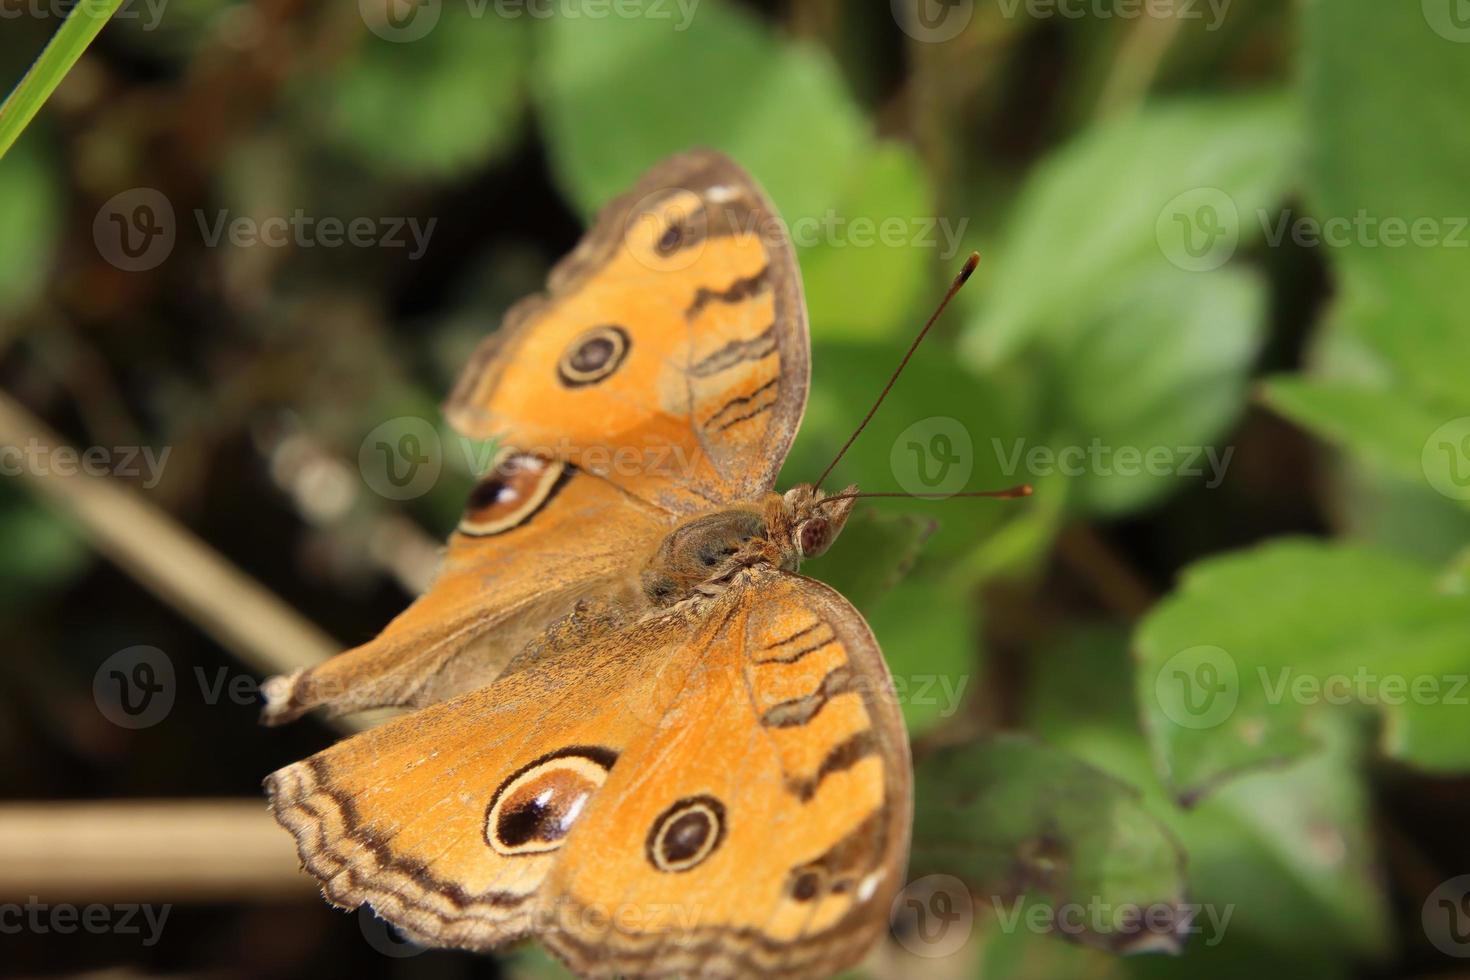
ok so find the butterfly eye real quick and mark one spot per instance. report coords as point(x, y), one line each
point(813, 537)
point(593, 356)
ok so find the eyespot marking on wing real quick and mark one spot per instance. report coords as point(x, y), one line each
point(512, 495)
point(593, 356)
point(686, 834)
point(536, 806)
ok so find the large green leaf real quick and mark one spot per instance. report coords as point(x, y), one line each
point(1234, 666)
point(1112, 204)
point(432, 106)
point(1389, 144)
point(618, 93)
point(1155, 377)
point(1281, 866)
point(1014, 818)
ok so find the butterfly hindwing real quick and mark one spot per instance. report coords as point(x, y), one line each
point(746, 783)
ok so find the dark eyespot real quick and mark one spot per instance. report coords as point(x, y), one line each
point(536, 806)
point(594, 355)
point(670, 240)
point(513, 494)
point(805, 887)
point(686, 834)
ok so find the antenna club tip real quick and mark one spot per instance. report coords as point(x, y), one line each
point(1024, 490)
point(971, 264)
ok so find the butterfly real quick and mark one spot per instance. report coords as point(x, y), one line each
point(642, 736)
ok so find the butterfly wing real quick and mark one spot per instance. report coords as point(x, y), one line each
point(763, 827)
point(537, 537)
point(715, 793)
point(670, 354)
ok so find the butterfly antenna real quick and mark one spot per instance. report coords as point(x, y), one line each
point(1010, 493)
point(959, 280)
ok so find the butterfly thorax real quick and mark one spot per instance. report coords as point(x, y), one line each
point(702, 555)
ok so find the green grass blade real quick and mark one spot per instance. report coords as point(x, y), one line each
point(81, 26)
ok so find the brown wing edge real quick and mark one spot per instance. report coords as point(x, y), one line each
point(695, 170)
point(354, 869)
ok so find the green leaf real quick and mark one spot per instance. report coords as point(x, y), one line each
point(874, 553)
point(1386, 120)
point(1281, 863)
point(1236, 664)
point(865, 268)
point(83, 23)
point(930, 636)
point(1101, 210)
point(436, 106)
point(616, 94)
point(1012, 817)
point(1381, 426)
point(1156, 376)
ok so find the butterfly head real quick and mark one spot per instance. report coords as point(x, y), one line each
point(812, 520)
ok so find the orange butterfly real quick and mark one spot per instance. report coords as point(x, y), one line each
point(648, 742)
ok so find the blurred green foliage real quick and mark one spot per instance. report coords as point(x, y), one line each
point(1083, 157)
